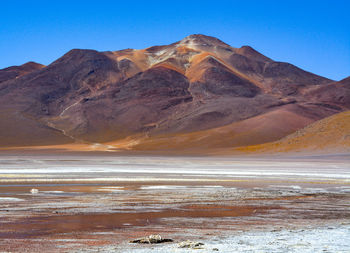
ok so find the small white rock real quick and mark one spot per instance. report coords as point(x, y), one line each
point(34, 191)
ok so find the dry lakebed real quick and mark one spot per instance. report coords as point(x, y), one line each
point(99, 203)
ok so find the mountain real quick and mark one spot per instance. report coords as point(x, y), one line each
point(198, 92)
point(336, 95)
point(17, 71)
point(331, 134)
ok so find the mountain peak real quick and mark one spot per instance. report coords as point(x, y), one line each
point(199, 36)
point(250, 52)
point(17, 71)
point(202, 40)
point(32, 65)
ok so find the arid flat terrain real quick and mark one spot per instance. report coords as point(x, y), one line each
point(98, 203)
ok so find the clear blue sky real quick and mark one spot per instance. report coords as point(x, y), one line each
point(314, 35)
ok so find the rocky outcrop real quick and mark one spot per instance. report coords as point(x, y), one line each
point(191, 245)
point(151, 239)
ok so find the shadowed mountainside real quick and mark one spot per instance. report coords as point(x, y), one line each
point(195, 93)
point(17, 71)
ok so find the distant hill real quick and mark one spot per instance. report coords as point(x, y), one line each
point(17, 71)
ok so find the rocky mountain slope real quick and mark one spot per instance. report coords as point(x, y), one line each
point(17, 71)
point(197, 92)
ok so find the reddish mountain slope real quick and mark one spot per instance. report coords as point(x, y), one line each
point(189, 88)
point(331, 134)
point(335, 94)
point(17, 71)
point(260, 129)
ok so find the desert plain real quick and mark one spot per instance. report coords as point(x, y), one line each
point(99, 202)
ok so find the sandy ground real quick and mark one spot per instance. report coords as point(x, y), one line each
point(99, 203)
